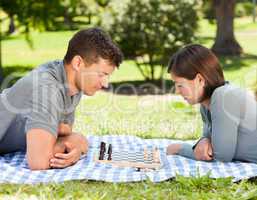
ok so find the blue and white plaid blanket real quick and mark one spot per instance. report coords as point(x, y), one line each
point(14, 168)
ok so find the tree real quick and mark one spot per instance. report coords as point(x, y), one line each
point(225, 41)
point(149, 31)
point(28, 14)
point(40, 15)
point(69, 9)
point(10, 8)
point(103, 3)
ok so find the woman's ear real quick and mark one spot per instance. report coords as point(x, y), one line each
point(200, 79)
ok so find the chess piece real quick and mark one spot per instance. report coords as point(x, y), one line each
point(145, 154)
point(102, 151)
point(155, 155)
point(109, 152)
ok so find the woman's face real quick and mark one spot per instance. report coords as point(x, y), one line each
point(191, 90)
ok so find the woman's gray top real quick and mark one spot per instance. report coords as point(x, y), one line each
point(230, 123)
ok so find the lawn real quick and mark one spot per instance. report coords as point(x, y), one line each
point(165, 116)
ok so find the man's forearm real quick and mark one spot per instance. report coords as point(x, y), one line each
point(64, 129)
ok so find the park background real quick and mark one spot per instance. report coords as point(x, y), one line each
point(141, 99)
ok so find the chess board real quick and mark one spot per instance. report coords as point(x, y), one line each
point(140, 159)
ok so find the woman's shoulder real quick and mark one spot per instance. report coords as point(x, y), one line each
point(228, 90)
point(230, 94)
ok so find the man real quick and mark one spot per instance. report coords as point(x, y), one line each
point(37, 112)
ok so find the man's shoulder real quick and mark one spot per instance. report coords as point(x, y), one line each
point(47, 81)
point(52, 71)
point(50, 74)
point(49, 65)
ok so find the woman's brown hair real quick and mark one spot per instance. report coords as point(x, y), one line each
point(194, 59)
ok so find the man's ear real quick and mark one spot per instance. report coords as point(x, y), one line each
point(76, 62)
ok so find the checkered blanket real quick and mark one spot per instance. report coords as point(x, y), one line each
point(14, 168)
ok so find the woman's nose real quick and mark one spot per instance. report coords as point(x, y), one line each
point(105, 82)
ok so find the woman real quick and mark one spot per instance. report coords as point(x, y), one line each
point(229, 113)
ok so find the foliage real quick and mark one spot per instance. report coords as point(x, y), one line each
point(30, 13)
point(42, 14)
point(208, 10)
point(243, 8)
point(149, 31)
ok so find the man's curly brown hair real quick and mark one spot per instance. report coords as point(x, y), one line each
point(91, 44)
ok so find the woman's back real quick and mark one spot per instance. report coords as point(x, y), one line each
point(233, 123)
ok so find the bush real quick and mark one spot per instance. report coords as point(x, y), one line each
point(244, 9)
point(150, 31)
point(208, 10)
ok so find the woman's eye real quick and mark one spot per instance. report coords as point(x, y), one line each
point(101, 75)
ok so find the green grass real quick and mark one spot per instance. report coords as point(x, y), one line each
point(179, 188)
point(46, 45)
point(144, 116)
point(164, 116)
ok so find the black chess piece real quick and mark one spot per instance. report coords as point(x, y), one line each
point(102, 150)
point(109, 152)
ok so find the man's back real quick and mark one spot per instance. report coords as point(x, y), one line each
point(38, 100)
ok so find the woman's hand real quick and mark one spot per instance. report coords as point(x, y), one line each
point(203, 150)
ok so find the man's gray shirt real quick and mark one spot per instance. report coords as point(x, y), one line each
point(38, 100)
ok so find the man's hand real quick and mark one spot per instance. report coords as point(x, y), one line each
point(62, 160)
point(203, 150)
point(68, 150)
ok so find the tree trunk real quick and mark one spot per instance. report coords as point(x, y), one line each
point(225, 41)
point(151, 64)
point(11, 25)
point(68, 20)
point(89, 17)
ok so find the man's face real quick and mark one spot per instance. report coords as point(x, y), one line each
point(94, 77)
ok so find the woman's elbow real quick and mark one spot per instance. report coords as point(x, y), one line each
point(222, 157)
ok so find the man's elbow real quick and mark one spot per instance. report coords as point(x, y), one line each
point(39, 164)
